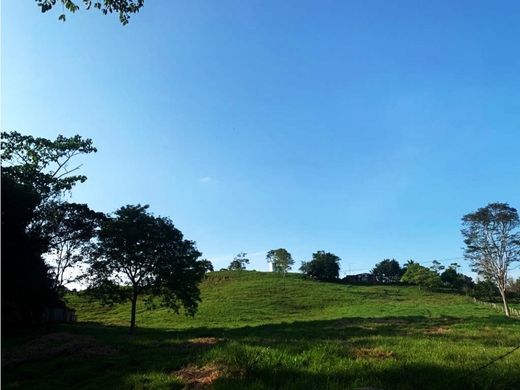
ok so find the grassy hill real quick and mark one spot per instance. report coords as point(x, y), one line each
point(257, 331)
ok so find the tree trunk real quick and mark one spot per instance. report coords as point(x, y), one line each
point(132, 320)
point(504, 300)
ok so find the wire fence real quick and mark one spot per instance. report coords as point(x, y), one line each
point(514, 312)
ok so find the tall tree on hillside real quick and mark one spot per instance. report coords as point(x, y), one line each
point(281, 260)
point(239, 262)
point(492, 239)
point(122, 7)
point(138, 253)
point(26, 284)
point(388, 271)
point(70, 228)
point(323, 266)
point(36, 174)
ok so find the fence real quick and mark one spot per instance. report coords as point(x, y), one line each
point(514, 312)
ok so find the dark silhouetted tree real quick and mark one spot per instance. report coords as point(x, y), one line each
point(323, 266)
point(451, 278)
point(492, 241)
point(138, 253)
point(35, 176)
point(122, 7)
point(388, 271)
point(26, 284)
point(70, 228)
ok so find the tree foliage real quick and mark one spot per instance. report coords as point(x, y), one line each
point(44, 164)
point(239, 262)
point(70, 228)
point(281, 260)
point(492, 241)
point(421, 276)
point(137, 254)
point(451, 278)
point(26, 285)
point(122, 7)
point(323, 266)
point(36, 173)
point(388, 271)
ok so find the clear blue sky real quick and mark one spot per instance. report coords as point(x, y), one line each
point(362, 128)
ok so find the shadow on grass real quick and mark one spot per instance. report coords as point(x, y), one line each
point(260, 356)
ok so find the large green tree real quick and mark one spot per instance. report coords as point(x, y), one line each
point(280, 259)
point(323, 266)
point(388, 271)
point(36, 176)
point(138, 253)
point(421, 276)
point(492, 238)
point(124, 8)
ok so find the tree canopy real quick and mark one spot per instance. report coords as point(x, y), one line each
point(36, 174)
point(239, 262)
point(421, 276)
point(281, 260)
point(122, 7)
point(323, 266)
point(388, 271)
point(492, 239)
point(139, 253)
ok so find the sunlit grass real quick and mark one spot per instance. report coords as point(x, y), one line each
point(257, 331)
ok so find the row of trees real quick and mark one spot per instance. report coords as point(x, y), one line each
point(492, 244)
point(49, 242)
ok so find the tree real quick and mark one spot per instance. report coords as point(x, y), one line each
point(453, 279)
point(137, 254)
point(123, 7)
point(239, 262)
point(323, 266)
point(388, 271)
point(421, 276)
point(44, 164)
point(26, 286)
point(492, 241)
point(35, 177)
point(281, 260)
point(70, 228)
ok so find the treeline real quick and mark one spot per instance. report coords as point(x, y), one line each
point(325, 266)
point(49, 242)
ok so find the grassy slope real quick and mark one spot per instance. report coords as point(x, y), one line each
point(293, 334)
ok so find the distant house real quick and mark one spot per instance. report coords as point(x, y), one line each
point(360, 278)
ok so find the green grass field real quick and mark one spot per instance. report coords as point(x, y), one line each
point(255, 331)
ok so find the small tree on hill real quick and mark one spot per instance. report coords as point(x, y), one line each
point(323, 266)
point(453, 279)
point(281, 260)
point(388, 271)
point(492, 241)
point(239, 262)
point(138, 253)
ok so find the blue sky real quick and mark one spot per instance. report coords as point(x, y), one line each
point(362, 128)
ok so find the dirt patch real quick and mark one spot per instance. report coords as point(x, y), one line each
point(195, 377)
point(373, 353)
point(437, 330)
point(205, 341)
point(197, 343)
point(55, 344)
